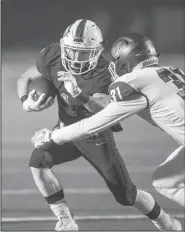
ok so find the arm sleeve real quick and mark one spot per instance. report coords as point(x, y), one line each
point(111, 115)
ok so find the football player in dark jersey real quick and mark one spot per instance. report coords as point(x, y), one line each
point(80, 56)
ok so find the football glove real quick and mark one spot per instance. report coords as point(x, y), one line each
point(70, 83)
point(31, 104)
point(42, 139)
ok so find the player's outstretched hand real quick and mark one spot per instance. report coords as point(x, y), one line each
point(31, 104)
point(70, 83)
point(41, 138)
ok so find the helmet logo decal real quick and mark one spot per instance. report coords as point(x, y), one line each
point(146, 63)
point(116, 51)
point(141, 53)
point(150, 61)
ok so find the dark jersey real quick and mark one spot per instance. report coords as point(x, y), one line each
point(95, 81)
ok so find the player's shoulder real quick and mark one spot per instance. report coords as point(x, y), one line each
point(52, 48)
point(50, 53)
point(137, 76)
point(127, 79)
point(129, 83)
point(143, 72)
point(121, 89)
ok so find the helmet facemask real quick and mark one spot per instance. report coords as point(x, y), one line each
point(79, 60)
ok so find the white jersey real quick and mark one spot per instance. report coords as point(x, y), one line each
point(157, 94)
point(164, 89)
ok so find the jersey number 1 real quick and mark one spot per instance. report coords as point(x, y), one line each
point(172, 74)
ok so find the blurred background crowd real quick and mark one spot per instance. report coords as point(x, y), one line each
point(30, 25)
point(35, 23)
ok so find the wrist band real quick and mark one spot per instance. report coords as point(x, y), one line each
point(23, 98)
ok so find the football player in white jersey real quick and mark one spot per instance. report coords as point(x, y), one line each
point(140, 87)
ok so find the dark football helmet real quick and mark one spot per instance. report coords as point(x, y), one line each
point(131, 51)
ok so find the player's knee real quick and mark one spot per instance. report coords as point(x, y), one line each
point(40, 159)
point(126, 201)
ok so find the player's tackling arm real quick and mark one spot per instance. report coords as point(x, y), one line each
point(114, 112)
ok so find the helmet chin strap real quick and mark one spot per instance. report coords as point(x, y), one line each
point(146, 63)
point(128, 67)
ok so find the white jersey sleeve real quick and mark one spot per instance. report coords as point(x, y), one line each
point(109, 116)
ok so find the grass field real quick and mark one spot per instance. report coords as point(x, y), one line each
point(24, 209)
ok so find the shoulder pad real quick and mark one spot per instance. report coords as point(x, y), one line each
point(121, 91)
point(50, 53)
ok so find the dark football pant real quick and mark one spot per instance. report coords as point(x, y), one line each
point(100, 150)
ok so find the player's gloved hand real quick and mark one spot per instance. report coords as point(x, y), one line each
point(42, 139)
point(31, 104)
point(70, 83)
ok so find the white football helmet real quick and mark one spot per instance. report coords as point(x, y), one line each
point(81, 46)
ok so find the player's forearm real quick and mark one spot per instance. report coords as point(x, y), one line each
point(22, 86)
point(25, 79)
point(76, 131)
point(111, 115)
